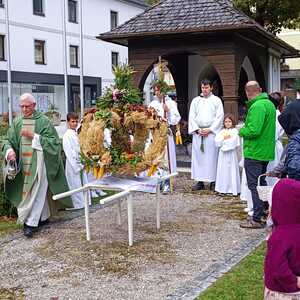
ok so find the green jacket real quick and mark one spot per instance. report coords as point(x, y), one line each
point(259, 130)
point(52, 155)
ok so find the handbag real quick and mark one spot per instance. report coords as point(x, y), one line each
point(265, 191)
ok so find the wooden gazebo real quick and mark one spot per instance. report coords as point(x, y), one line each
point(203, 38)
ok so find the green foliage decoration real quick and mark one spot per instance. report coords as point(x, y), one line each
point(297, 84)
point(123, 92)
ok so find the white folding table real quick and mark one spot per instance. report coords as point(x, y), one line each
point(125, 188)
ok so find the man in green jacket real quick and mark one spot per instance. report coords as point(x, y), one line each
point(258, 145)
point(33, 142)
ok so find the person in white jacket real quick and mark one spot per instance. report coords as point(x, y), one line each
point(228, 175)
point(75, 175)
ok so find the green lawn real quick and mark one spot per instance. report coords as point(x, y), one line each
point(243, 282)
point(96, 200)
point(7, 226)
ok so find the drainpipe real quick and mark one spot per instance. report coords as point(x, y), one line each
point(8, 58)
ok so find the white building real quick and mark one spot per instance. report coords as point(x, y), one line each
point(37, 34)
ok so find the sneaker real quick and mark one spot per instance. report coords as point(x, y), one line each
point(94, 194)
point(251, 224)
point(42, 223)
point(198, 186)
point(101, 193)
point(166, 189)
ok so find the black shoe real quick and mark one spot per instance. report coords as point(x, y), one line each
point(198, 186)
point(42, 223)
point(212, 186)
point(29, 230)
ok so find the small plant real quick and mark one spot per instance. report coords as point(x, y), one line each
point(53, 114)
point(297, 84)
point(6, 209)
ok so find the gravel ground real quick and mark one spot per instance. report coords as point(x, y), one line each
point(198, 230)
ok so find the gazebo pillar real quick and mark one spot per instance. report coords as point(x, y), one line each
point(231, 106)
point(226, 67)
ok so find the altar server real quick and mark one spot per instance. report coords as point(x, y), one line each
point(75, 175)
point(205, 121)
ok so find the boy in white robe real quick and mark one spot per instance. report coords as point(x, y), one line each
point(75, 175)
point(228, 179)
point(205, 121)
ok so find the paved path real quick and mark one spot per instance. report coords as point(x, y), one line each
point(199, 240)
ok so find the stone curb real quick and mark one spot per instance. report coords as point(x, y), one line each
point(195, 287)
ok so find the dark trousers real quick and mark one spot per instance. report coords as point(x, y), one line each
point(253, 169)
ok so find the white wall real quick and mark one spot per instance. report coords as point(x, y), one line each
point(274, 74)
point(196, 65)
point(248, 69)
point(25, 27)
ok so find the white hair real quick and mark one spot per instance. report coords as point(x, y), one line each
point(28, 97)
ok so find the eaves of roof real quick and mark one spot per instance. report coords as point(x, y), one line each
point(139, 3)
point(227, 18)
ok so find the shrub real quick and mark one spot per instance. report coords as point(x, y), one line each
point(6, 209)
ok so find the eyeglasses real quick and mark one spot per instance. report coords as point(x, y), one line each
point(26, 106)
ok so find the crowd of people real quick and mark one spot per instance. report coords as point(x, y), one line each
point(263, 153)
point(33, 142)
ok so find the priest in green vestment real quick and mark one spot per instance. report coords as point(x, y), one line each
point(33, 143)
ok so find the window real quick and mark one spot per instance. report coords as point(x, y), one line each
point(74, 61)
point(1, 3)
point(38, 8)
point(72, 11)
point(114, 58)
point(2, 57)
point(39, 52)
point(113, 19)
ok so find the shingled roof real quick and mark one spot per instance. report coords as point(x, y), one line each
point(186, 16)
point(183, 15)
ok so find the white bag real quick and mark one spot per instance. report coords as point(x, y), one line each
point(265, 191)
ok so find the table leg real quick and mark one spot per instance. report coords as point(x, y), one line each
point(119, 217)
point(158, 207)
point(87, 215)
point(130, 219)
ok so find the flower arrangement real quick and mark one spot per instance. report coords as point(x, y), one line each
point(121, 111)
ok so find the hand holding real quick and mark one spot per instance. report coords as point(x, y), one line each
point(204, 132)
point(272, 174)
point(166, 109)
point(27, 133)
point(11, 155)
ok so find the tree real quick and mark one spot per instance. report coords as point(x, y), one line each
point(273, 15)
point(297, 84)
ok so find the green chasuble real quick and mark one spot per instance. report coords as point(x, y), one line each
point(52, 157)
